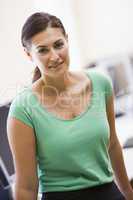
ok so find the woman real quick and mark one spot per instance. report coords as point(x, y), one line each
point(61, 128)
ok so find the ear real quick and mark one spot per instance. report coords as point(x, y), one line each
point(28, 54)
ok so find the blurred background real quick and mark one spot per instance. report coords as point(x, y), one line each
point(100, 36)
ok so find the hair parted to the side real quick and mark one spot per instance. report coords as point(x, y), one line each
point(35, 24)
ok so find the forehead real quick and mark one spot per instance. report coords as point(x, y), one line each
point(48, 36)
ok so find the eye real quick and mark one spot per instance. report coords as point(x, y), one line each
point(43, 50)
point(59, 45)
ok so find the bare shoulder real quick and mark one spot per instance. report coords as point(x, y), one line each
point(37, 88)
point(81, 76)
point(82, 82)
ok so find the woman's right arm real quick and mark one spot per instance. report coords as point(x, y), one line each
point(23, 146)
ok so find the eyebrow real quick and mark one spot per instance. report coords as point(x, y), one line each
point(44, 46)
point(41, 46)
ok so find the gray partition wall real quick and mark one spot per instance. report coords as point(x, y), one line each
point(5, 152)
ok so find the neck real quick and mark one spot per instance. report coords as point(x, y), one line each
point(58, 84)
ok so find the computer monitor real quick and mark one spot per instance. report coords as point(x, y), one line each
point(119, 78)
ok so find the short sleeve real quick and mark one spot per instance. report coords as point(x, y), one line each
point(19, 110)
point(104, 80)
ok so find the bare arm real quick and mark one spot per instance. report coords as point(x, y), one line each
point(116, 156)
point(22, 143)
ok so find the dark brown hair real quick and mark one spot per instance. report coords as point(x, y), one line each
point(37, 23)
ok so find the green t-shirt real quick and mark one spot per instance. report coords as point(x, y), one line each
point(72, 154)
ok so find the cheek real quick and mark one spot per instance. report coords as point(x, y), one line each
point(65, 54)
point(41, 60)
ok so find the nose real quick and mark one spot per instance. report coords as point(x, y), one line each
point(54, 56)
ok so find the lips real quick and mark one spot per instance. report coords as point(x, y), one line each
point(55, 66)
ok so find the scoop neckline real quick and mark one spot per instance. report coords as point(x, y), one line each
point(78, 116)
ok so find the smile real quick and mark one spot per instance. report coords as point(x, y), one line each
point(55, 66)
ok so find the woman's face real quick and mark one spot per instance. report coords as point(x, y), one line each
point(49, 51)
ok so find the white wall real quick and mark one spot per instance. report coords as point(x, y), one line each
point(14, 67)
point(105, 27)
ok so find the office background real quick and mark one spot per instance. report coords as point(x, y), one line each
point(100, 35)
